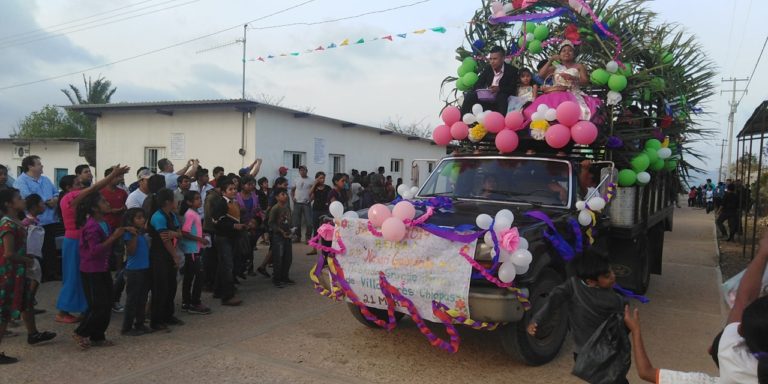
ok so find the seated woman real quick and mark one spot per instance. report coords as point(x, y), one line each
point(567, 77)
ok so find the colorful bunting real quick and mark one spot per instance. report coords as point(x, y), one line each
point(387, 37)
point(345, 42)
point(361, 41)
point(403, 35)
point(438, 29)
point(420, 31)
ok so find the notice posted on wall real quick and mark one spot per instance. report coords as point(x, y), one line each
point(424, 267)
point(178, 147)
point(320, 153)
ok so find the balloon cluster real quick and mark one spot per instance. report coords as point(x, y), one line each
point(514, 255)
point(392, 223)
point(656, 156)
point(615, 77)
point(477, 124)
point(467, 72)
point(534, 36)
point(569, 125)
point(407, 193)
point(587, 209)
point(337, 211)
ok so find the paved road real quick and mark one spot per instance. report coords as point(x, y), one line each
point(292, 335)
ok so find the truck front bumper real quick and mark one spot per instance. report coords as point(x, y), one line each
point(492, 304)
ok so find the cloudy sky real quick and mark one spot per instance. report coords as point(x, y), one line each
point(370, 83)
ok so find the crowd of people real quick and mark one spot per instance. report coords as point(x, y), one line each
point(134, 240)
point(729, 200)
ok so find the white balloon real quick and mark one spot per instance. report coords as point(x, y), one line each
point(522, 270)
point(505, 256)
point(481, 117)
point(613, 98)
point(336, 209)
point(477, 109)
point(596, 203)
point(612, 66)
point(550, 114)
point(407, 195)
point(488, 238)
point(523, 244)
point(664, 153)
point(585, 218)
point(643, 177)
point(469, 119)
point(351, 215)
point(508, 8)
point(521, 257)
point(580, 205)
point(536, 116)
point(484, 221)
point(506, 213)
point(501, 224)
point(529, 36)
point(542, 108)
point(507, 272)
point(402, 188)
point(414, 190)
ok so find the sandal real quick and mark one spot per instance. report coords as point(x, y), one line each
point(81, 342)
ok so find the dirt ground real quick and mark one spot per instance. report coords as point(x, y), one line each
point(734, 256)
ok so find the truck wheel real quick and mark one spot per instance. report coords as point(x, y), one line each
point(642, 276)
point(380, 313)
point(550, 336)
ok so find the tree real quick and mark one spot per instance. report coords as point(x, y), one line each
point(49, 122)
point(96, 92)
point(417, 129)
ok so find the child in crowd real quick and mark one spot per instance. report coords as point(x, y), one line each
point(35, 236)
point(95, 250)
point(164, 230)
point(526, 91)
point(319, 197)
point(589, 295)
point(226, 216)
point(281, 245)
point(191, 243)
point(136, 273)
point(14, 261)
point(280, 183)
point(253, 217)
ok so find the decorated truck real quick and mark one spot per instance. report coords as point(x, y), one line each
point(591, 157)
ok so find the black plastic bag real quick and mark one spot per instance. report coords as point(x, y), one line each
point(606, 357)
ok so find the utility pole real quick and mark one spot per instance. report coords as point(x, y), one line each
point(720, 170)
point(245, 32)
point(734, 105)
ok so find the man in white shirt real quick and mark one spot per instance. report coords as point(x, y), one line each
point(201, 185)
point(136, 198)
point(165, 168)
point(301, 203)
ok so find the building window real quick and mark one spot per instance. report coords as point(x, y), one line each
point(58, 173)
point(395, 165)
point(151, 156)
point(337, 164)
point(431, 166)
point(295, 159)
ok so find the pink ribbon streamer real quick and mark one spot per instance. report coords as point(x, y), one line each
point(605, 31)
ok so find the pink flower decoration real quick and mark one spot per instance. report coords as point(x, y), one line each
point(326, 231)
point(509, 239)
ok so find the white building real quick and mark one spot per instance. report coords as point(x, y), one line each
point(232, 133)
point(59, 156)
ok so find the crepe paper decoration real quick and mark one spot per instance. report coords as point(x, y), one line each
point(387, 37)
point(440, 203)
point(333, 45)
point(373, 230)
point(294, 53)
point(361, 41)
point(565, 250)
point(345, 42)
point(628, 293)
point(403, 35)
point(484, 272)
point(605, 31)
point(420, 31)
point(438, 29)
point(534, 17)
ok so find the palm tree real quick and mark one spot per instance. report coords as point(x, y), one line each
point(96, 92)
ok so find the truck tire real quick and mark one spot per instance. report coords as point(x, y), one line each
point(550, 336)
point(380, 313)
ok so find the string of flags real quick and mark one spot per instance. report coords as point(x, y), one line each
point(349, 43)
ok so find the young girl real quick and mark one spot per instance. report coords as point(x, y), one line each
point(35, 235)
point(164, 229)
point(136, 272)
point(338, 193)
point(95, 250)
point(13, 281)
point(192, 231)
point(526, 91)
point(251, 215)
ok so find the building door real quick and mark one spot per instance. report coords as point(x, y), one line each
point(396, 169)
point(59, 173)
point(336, 164)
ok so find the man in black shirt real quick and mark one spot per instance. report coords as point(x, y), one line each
point(501, 78)
point(729, 211)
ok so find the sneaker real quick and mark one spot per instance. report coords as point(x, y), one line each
point(66, 319)
point(132, 332)
point(185, 307)
point(199, 309)
point(39, 337)
point(118, 308)
point(175, 321)
point(263, 271)
point(7, 359)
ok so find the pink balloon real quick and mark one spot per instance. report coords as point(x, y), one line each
point(459, 130)
point(494, 122)
point(568, 113)
point(393, 229)
point(507, 141)
point(404, 210)
point(584, 132)
point(558, 136)
point(441, 135)
point(378, 213)
point(514, 120)
point(451, 115)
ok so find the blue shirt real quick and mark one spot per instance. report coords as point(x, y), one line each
point(171, 180)
point(43, 187)
point(160, 224)
point(140, 258)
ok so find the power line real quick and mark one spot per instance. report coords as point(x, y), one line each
point(177, 45)
point(752, 75)
point(67, 30)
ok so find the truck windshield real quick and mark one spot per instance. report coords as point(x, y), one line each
point(521, 180)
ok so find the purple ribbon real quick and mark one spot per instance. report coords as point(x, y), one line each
point(534, 17)
point(439, 203)
point(626, 292)
point(563, 248)
point(452, 234)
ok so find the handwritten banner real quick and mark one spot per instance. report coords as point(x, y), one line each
point(424, 267)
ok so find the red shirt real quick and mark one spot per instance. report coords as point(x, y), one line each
point(116, 199)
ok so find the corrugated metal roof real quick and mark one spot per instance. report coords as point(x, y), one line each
point(757, 123)
point(20, 140)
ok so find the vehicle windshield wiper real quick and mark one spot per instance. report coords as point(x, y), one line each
point(438, 194)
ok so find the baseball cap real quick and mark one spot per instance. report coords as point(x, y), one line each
point(145, 174)
point(282, 169)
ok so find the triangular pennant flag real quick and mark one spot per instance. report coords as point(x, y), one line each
point(260, 58)
point(283, 55)
point(320, 48)
point(333, 45)
point(387, 37)
point(374, 39)
point(361, 41)
point(343, 43)
point(420, 31)
point(294, 53)
point(438, 29)
point(402, 35)
point(270, 57)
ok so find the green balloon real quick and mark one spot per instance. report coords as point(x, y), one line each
point(653, 143)
point(658, 165)
point(530, 27)
point(463, 70)
point(617, 83)
point(469, 79)
point(460, 85)
point(541, 32)
point(627, 178)
point(535, 46)
point(671, 165)
point(520, 41)
point(640, 163)
point(646, 94)
point(652, 154)
point(470, 62)
point(626, 71)
point(658, 84)
point(667, 58)
point(599, 76)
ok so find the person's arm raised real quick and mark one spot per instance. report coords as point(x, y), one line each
point(256, 167)
point(117, 171)
point(751, 282)
point(645, 369)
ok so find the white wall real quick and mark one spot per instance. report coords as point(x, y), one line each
point(53, 154)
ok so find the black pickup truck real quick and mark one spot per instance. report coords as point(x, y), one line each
point(631, 228)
